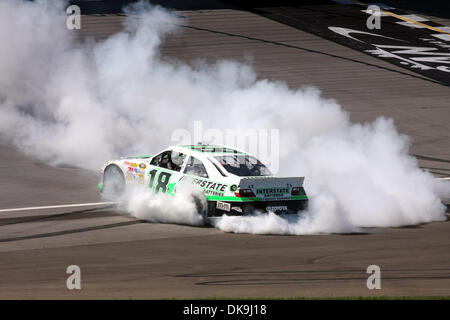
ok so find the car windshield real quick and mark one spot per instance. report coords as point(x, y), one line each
point(243, 165)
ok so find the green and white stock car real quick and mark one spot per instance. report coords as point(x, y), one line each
point(232, 182)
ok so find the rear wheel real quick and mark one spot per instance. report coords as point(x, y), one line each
point(113, 182)
point(202, 207)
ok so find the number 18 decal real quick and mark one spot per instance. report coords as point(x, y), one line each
point(163, 180)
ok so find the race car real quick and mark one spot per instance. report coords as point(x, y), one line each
point(231, 181)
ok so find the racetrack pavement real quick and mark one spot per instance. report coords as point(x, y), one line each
point(121, 257)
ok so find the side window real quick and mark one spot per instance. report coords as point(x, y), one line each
point(171, 160)
point(176, 160)
point(195, 167)
point(157, 159)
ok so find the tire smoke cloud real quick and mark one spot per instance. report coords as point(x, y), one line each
point(82, 103)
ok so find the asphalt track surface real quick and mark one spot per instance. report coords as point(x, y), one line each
point(121, 257)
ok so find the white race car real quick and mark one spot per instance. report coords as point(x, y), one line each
point(233, 182)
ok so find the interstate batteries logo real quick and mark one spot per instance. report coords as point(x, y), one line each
point(210, 187)
point(272, 192)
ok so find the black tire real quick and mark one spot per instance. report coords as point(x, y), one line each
point(202, 207)
point(113, 182)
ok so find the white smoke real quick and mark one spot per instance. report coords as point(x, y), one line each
point(146, 205)
point(82, 103)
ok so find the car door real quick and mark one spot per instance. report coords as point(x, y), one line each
point(165, 171)
point(197, 174)
point(195, 167)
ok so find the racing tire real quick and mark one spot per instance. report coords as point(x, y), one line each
point(202, 208)
point(113, 182)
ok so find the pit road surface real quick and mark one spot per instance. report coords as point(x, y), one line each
point(121, 257)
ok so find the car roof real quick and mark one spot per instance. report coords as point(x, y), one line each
point(210, 150)
point(206, 153)
point(199, 150)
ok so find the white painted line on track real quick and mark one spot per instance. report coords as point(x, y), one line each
point(93, 204)
point(59, 206)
